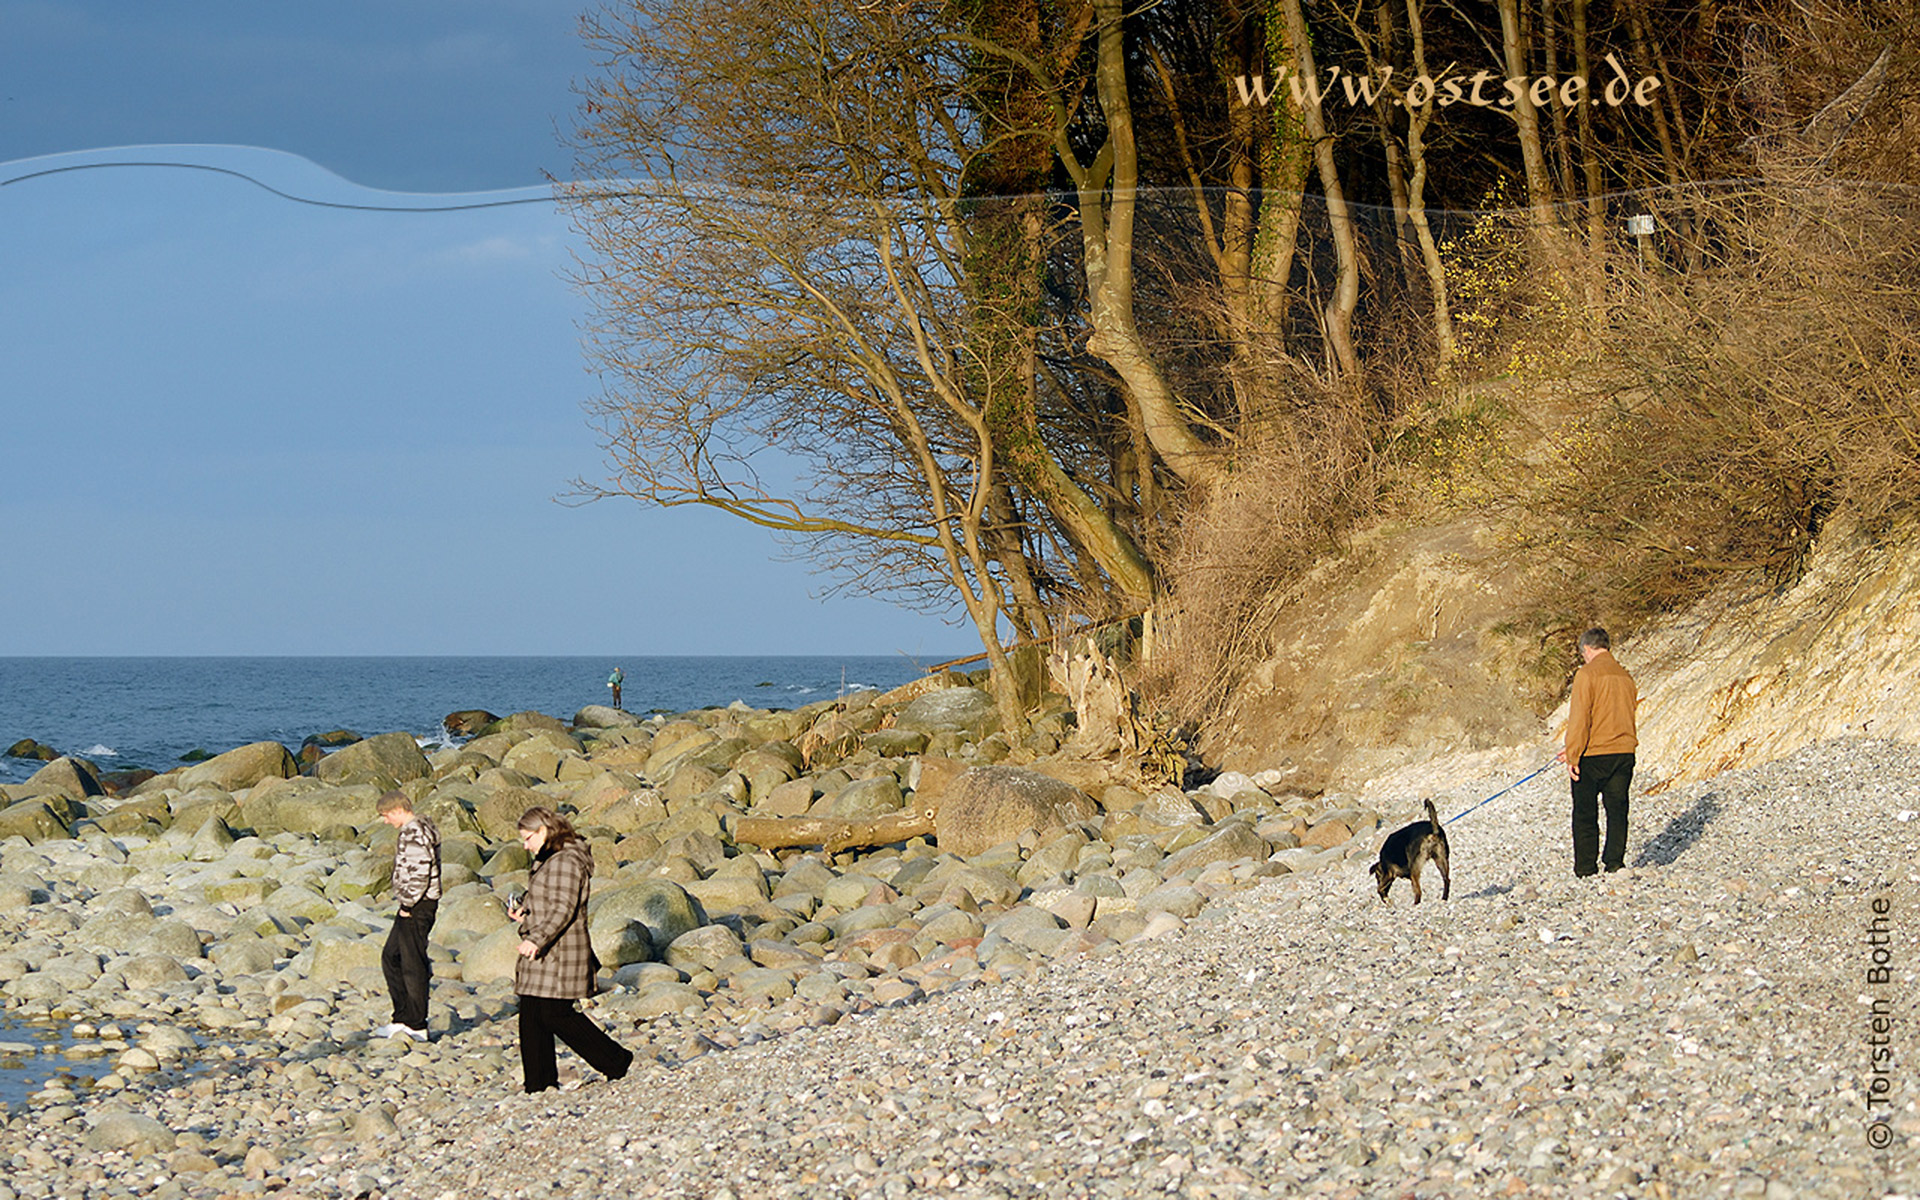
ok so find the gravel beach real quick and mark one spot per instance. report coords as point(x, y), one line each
point(1703, 1023)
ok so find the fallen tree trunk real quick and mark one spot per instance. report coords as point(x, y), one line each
point(835, 834)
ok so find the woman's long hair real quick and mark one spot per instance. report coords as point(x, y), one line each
point(559, 831)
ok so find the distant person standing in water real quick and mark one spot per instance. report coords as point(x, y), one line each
point(1599, 752)
point(614, 681)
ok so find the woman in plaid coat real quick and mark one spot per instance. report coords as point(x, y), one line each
point(557, 965)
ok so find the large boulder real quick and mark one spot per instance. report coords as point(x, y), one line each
point(499, 814)
point(661, 905)
point(467, 722)
point(964, 710)
point(1232, 842)
point(492, 957)
point(863, 798)
point(601, 716)
point(32, 820)
point(308, 806)
point(385, 761)
point(240, 768)
point(338, 956)
point(28, 748)
point(524, 722)
point(990, 805)
point(69, 777)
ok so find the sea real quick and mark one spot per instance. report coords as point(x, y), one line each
point(126, 713)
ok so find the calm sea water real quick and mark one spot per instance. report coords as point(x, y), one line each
point(147, 712)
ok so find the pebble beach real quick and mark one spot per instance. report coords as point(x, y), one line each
point(1110, 1020)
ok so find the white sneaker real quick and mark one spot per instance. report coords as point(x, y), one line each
point(418, 1035)
point(391, 1029)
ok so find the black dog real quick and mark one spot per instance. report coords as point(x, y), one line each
point(1408, 849)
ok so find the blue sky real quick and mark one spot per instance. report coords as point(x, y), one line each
point(234, 424)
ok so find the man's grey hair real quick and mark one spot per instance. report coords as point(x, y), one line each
point(1597, 639)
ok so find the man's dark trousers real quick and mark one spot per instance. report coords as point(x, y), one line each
point(1602, 776)
point(404, 960)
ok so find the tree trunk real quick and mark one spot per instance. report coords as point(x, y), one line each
point(1346, 289)
point(835, 834)
point(1108, 194)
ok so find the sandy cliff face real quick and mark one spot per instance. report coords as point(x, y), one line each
point(1390, 670)
point(1748, 677)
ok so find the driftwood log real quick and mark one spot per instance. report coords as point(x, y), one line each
point(835, 834)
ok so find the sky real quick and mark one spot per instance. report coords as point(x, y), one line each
point(236, 423)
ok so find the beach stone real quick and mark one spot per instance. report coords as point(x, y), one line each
point(499, 814)
point(632, 813)
point(370, 877)
point(952, 926)
point(526, 721)
point(239, 768)
point(865, 798)
point(896, 743)
point(115, 926)
point(703, 948)
point(151, 971)
point(372, 1124)
point(762, 984)
point(987, 884)
point(618, 941)
point(1233, 842)
point(1054, 856)
point(963, 710)
point(603, 716)
point(69, 777)
point(1178, 899)
point(243, 892)
point(987, 806)
point(1034, 928)
point(730, 892)
point(244, 956)
point(494, 956)
point(28, 748)
point(33, 820)
point(473, 908)
point(308, 806)
point(172, 938)
point(18, 890)
point(302, 905)
point(337, 957)
point(37, 987)
point(663, 999)
point(211, 841)
point(1327, 833)
point(601, 791)
point(663, 906)
point(467, 722)
point(791, 799)
point(385, 761)
point(130, 1133)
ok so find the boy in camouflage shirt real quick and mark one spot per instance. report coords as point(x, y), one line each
point(416, 890)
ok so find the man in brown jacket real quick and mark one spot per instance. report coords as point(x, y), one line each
point(1599, 752)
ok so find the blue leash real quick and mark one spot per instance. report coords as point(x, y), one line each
point(1503, 791)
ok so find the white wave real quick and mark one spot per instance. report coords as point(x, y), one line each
point(100, 752)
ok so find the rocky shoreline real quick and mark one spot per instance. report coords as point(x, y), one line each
point(1117, 989)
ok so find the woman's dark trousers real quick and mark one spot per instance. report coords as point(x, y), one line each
point(1602, 777)
point(543, 1019)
